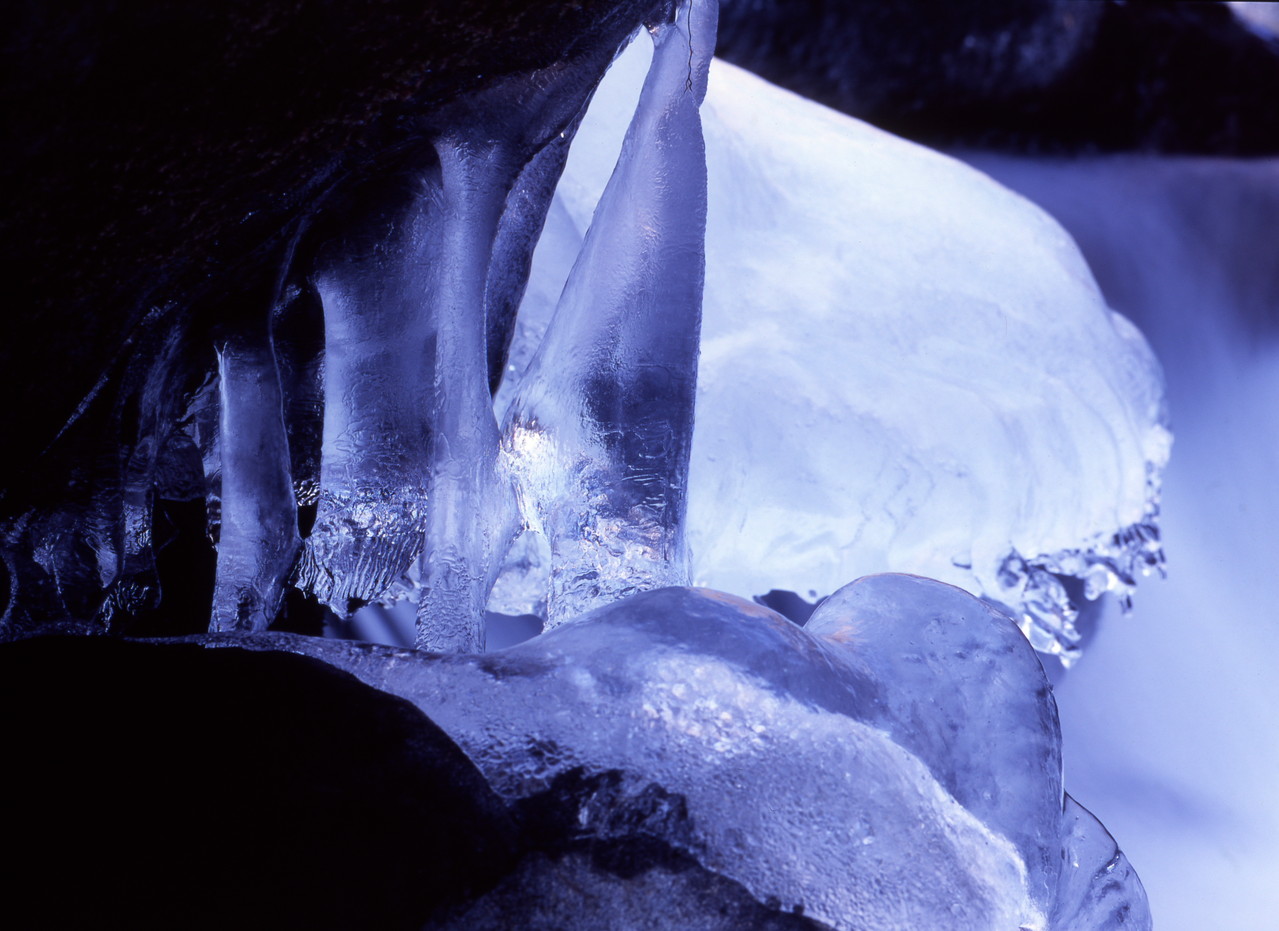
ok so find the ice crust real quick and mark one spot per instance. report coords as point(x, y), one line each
point(895, 764)
point(904, 366)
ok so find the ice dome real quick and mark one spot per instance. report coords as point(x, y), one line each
point(904, 366)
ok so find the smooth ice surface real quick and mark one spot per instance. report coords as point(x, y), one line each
point(887, 767)
point(954, 672)
point(600, 429)
point(903, 365)
point(471, 516)
point(1170, 719)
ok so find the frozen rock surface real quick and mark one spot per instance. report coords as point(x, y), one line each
point(903, 367)
point(896, 764)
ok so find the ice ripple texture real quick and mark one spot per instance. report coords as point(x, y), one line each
point(896, 763)
point(904, 366)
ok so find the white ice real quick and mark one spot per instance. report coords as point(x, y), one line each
point(904, 366)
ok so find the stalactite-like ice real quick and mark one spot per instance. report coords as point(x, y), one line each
point(523, 217)
point(258, 540)
point(378, 286)
point(471, 516)
point(500, 153)
point(600, 430)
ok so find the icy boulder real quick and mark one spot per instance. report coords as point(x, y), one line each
point(897, 764)
point(904, 366)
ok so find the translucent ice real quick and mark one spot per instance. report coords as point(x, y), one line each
point(1097, 887)
point(258, 539)
point(1162, 720)
point(894, 765)
point(954, 671)
point(497, 177)
point(377, 286)
point(903, 366)
point(418, 272)
point(600, 430)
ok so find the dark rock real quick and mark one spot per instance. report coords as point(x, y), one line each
point(606, 850)
point(1035, 75)
point(170, 786)
point(162, 164)
point(158, 153)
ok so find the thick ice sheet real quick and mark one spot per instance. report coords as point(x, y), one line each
point(896, 764)
point(904, 366)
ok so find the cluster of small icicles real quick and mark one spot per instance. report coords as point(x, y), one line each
point(420, 487)
point(1034, 591)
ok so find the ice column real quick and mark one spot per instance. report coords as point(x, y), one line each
point(259, 535)
point(517, 236)
point(496, 190)
point(151, 410)
point(599, 433)
point(471, 515)
point(377, 286)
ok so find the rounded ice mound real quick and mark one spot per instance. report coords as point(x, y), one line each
point(904, 366)
point(964, 692)
point(894, 764)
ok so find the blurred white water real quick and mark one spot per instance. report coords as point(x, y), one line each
point(1171, 720)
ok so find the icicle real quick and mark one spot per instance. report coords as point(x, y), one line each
point(600, 431)
point(486, 143)
point(377, 286)
point(517, 235)
point(259, 536)
point(298, 333)
point(471, 514)
point(152, 414)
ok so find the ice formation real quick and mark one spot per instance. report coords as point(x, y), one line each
point(417, 290)
point(378, 369)
point(894, 764)
point(599, 431)
point(258, 539)
point(912, 372)
point(903, 367)
point(890, 379)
